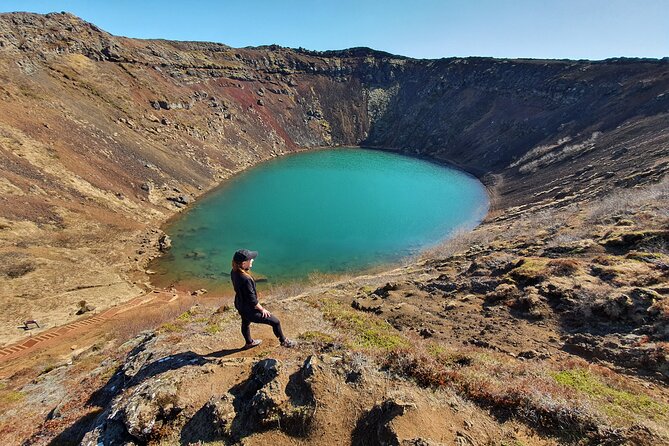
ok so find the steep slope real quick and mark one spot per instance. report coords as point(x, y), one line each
point(105, 137)
point(553, 312)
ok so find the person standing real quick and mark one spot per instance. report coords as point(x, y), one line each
point(246, 300)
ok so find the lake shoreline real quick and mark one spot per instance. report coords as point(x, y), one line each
point(176, 279)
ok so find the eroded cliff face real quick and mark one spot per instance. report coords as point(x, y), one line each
point(102, 138)
point(553, 312)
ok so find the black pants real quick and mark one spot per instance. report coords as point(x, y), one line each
point(257, 318)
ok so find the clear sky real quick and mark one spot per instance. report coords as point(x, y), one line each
point(574, 29)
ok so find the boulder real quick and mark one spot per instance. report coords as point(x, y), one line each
point(164, 243)
point(150, 405)
point(85, 309)
point(180, 199)
point(384, 291)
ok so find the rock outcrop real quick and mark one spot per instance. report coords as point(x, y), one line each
point(103, 138)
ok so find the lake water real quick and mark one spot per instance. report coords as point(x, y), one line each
point(326, 211)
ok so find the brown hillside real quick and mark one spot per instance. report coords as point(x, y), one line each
point(547, 324)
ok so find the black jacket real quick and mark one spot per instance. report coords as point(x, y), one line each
point(246, 298)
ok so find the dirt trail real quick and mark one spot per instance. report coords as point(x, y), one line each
point(143, 312)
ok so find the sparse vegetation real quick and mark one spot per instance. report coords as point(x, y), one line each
point(212, 328)
point(613, 401)
point(497, 316)
point(563, 267)
point(8, 397)
point(15, 265)
point(458, 241)
point(368, 332)
point(317, 337)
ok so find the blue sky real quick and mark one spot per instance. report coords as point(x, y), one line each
point(574, 29)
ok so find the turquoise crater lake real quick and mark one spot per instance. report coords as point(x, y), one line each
point(327, 211)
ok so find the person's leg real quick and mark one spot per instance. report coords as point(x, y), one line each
point(272, 320)
point(246, 330)
point(276, 327)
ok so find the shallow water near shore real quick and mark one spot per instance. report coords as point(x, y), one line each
point(329, 211)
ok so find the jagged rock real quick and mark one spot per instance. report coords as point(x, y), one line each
point(181, 199)
point(372, 305)
point(139, 356)
point(614, 307)
point(384, 291)
point(137, 418)
point(222, 413)
point(634, 353)
point(503, 292)
point(441, 284)
point(260, 403)
point(480, 285)
point(493, 265)
point(150, 405)
point(164, 243)
point(530, 302)
point(426, 332)
point(263, 372)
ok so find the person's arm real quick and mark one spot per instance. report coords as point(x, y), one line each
point(253, 298)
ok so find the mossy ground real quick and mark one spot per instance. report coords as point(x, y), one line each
point(369, 333)
point(613, 401)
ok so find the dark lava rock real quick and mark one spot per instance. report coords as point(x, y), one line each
point(384, 291)
point(426, 332)
point(367, 304)
point(480, 285)
point(629, 351)
point(181, 199)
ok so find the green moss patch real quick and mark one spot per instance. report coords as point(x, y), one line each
point(614, 402)
point(316, 337)
point(369, 332)
point(212, 328)
point(531, 271)
point(10, 397)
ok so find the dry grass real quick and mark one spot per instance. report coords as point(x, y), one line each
point(626, 202)
point(458, 241)
point(572, 400)
point(544, 156)
point(563, 267)
point(15, 265)
point(152, 319)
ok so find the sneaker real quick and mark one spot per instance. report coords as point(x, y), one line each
point(255, 343)
point(288, 343)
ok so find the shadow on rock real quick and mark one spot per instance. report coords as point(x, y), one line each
point(258, 404)
point(374, 427)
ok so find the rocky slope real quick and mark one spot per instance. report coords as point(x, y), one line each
point(103, 138)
